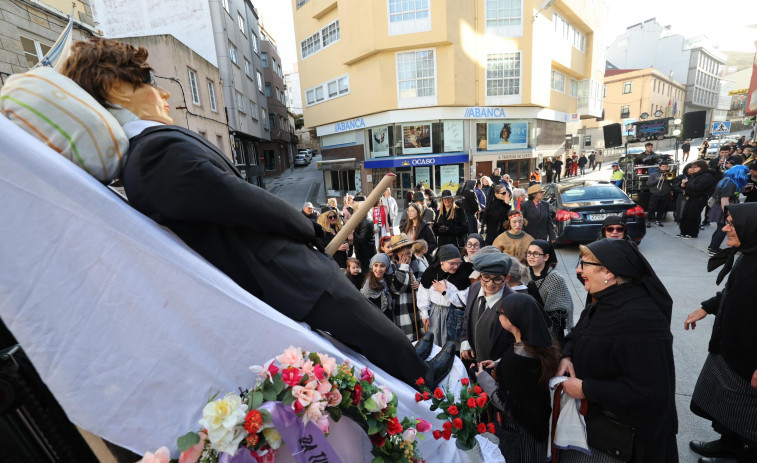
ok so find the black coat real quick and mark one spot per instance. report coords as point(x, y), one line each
point(365, 244)
point(451, 231)
point(470, 200)
point(181, 181)
point(622, 349)
point(494, 217)
point(539, 222)
point(522, 395)
point(701, 185)
point(426, 233)
point(735, 318)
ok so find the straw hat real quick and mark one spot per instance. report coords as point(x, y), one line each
point(400, 241)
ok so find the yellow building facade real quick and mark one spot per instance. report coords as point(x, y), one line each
point(438, 90)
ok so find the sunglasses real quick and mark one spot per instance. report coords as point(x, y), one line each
point(615, 229)
point(581, 263)
point(332, 217)
point(149, 78)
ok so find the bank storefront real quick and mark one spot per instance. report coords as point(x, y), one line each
point(441, 147)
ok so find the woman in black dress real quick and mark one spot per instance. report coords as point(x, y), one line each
point(620, 356)
point(495, 214)
point(451, 226)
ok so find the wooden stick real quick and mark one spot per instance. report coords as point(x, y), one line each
point(355, 220)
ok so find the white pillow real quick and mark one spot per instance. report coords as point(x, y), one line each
point(54, 109)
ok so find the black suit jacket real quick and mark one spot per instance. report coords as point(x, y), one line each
point(502, 340)
point(539, 222)
point(182, 181)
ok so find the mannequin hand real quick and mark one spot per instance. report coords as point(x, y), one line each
point(573, 387)
point(566, 366)
point(693, 318)
point(467, 354)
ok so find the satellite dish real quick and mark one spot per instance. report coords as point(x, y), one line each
point(644, 115)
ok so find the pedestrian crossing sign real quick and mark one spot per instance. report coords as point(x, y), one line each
point(719, 128)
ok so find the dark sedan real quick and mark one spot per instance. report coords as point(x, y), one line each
point(580, 209)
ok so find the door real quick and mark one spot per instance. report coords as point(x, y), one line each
point(484, 167)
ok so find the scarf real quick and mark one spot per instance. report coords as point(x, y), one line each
point(460, 278)
point(744, 218)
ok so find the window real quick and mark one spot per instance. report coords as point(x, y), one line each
point(194, 87)
point(33, 51)
point(254, 40)
point(253, 110)
point(268, 90)
point(406, 17)
point(212, 96)
point(558, 81)
point(240, 21)
point(301, 2)
point(240, 102)
point(627, 87)
point(225, 5)
point(260, 81)
point(573, 87)
point(320, 39)
point(625, 112)
point(568, 32)
point(416, 74)
point(247, 67)
point(504, 17)
point(503, 74)
point(232, 53)
point(264, 117)
point(333, 89)
point(264, 58)
point(273, 60)
point(272, 121)
point(587, 141)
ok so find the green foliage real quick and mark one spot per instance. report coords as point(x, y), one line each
point(187, 441)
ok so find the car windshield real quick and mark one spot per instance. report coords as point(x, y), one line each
point(592, 193)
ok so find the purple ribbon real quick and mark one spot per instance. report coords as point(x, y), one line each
point(306, 442)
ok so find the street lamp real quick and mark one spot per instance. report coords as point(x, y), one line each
point(677, 133)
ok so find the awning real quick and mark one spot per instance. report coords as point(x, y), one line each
point(340, 164)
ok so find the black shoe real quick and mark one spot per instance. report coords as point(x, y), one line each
point(716, 460)
point(701, 227)
point(659, 224)
point(424, 345)
point(713, 449)
point(441, 364)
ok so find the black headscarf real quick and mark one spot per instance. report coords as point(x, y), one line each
point(744, 218)
point(525, 314)
point(460, 278)
point(623, 258)
point(547, 248)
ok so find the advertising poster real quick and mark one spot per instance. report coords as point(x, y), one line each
point(423, 175)
point(380, 140)
point(416, 139)
point(453, 136)
point(450, 176)
point(506, 135)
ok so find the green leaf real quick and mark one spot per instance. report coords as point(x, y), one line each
point(314, 357)
point(369, 404)
point(378, 460)
point(434, 407)
point(335, 413)
point(269, 395)
point(288, 399)
point(187, 441)
point(278, 384)
point(266, 415)
point(257, 400)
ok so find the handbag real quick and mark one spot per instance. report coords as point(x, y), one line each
point(718, 193)
point(610, 436)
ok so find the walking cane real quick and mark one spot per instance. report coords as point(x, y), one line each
point(415, 309)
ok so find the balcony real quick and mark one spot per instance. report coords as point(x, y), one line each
point(589, 98)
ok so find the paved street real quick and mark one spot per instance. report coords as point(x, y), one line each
point(681, 265)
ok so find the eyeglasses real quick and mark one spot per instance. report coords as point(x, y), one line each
point(473, 245)
point(581, 263)
point(729, 223)
point(495, 280)
point(615, 229)
point(453, 263)
point(149, 78)
point(534, 254)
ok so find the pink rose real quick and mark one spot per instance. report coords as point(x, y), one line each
point(313, 413)
point(192, 454)
point(328, 363)
point(318, 372)
point(291, 376)
point(292, 357)
point(423, 425)
point(334, 398)
point(307, 368)
point(409, 435)
point(307, 394)
point(162, 455)
point(323, 424)
point(324, 387)
point(366, 375)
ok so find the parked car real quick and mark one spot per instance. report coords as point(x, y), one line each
point(301, 160)
point(580, 209)
point(307, 152)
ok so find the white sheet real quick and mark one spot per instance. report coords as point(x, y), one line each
point(128, 327)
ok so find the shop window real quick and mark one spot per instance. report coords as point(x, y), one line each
point(501, 135)
point(340, 182)
point(449, 177)
point(270, 159)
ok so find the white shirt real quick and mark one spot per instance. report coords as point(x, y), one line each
point(427, 296)
point(134, 128)
point(490, 302)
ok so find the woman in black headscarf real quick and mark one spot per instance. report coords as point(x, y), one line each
point(620, 357)
point(521, 393)
point(726, 392)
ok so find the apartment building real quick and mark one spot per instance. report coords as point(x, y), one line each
point(278, 153)
point(29, 29)
point(226, 34)
point(437, 90)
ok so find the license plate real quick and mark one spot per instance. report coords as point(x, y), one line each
point(600, 216)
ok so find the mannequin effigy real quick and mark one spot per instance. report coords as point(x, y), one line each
point(183, 182)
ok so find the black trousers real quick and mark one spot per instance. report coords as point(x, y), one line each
point(718, 235)
point(658, 207)
point(557, 176)
point(692, 215)
point(353, 320)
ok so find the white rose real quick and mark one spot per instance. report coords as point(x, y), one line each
point(222, 418)
point(376, 402)
point(409, 435)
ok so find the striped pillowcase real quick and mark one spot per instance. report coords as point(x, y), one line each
point(61, 114)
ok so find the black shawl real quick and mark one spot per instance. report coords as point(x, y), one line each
point(744, 218)
point(460, 278)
